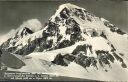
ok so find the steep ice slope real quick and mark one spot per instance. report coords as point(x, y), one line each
point(118, 38)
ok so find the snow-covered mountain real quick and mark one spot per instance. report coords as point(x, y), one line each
point(74, 43)
point(27, 28)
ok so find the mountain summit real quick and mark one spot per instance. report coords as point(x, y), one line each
point(74, 37)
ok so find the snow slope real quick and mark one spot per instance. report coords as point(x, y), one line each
point(41, 63)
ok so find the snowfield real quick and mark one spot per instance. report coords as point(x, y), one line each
point(40, 62)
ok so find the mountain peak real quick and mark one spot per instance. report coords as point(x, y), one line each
point(23, 32)
point(26, 31)
point(64, 8)
point(68, 5)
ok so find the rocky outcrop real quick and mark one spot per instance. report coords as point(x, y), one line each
point(63, 60)
point(103, 57)
point(59, 60)
point(0, 52)
point(85, 61)
point(83, 48)
point(113, 28)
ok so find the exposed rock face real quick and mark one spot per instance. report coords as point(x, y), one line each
point(103, 57)
point(113, 28)
point(103, 35)
point(0, 53)
point(59, 60)
point(82, 48)
point(63, 60)
point(26, 31)
point(85, 61)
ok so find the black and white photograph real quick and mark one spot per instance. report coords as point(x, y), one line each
point(64, 40)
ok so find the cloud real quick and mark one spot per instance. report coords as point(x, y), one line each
point(33, 24)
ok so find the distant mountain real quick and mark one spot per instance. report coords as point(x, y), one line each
point(73, 37)
point(26, 29)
